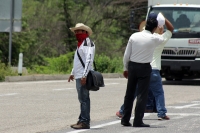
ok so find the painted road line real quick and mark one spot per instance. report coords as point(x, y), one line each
point(179, 116)
point(112, 84)
point(101, 125)
point(185, 106)
point(74, 88)
point(9, 94)
point(44, 82)
point(172, 107)
point(50, 81)
point(31, 82)
point(184, 114)
point(63, 89)
point(115, 78)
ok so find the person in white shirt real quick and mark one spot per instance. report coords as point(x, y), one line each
point(137, 68)
point(86, 50)
point(155, 87)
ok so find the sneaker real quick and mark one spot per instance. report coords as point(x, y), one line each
point(81, 125)
point(163, 118)
point(75, 124)
point(119, 115)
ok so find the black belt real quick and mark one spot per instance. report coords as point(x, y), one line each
point(139, 63)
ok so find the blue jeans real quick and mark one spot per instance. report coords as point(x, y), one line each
point(150, 101)
point(155, 91)
point(158, 93)
point(84, 99)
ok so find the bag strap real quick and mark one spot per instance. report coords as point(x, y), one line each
point(80, 58)
point(82, 61)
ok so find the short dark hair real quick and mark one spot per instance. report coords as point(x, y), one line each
point(151, 24)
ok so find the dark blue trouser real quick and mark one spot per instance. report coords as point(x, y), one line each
point(157, 92)
point(84, 99)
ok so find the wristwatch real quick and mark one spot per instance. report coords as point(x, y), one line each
point(83, 77)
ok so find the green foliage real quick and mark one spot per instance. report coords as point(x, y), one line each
point(45, 34)
point(63, 65)
point(56, 65)
point(5, 71)
point(105, 64)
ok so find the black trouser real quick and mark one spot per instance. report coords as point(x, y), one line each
point(138, 74)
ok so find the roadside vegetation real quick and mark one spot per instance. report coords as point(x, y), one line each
point(48, 45)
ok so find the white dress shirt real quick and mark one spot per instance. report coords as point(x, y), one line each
point(140, 47)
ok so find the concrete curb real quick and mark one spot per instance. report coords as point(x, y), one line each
point(52, 77)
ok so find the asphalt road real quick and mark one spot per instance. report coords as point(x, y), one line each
point(51, 106)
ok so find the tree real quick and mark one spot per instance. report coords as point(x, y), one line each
point(109, 20)
point(45, 28)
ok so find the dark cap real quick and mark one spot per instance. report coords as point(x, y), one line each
point(151, 22)
point(152, 16)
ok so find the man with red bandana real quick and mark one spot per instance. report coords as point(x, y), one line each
point(86, 50)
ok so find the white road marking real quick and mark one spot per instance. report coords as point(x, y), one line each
point(115, 78)
point(179, 116)
point(50, 81)
point(112, 84)
point(102, 125)
point(63, 89)
point(178, 108)
point(184, 114)
point(9, 94)
point(30, 82)
point(44, 82)
point(181, 107)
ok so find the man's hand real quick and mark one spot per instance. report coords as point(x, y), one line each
point(125, 74)
point(71, 77)
point(83, 81)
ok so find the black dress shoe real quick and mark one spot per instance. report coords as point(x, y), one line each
point(141, 125)
point(126, 123)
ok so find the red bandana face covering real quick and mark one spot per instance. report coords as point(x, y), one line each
point(81, 37)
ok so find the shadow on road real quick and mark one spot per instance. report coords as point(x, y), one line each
point(183, 82)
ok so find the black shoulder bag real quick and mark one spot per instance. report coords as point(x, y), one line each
point(94, 78)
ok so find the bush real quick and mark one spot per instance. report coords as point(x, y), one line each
point(116, 65)
point(5, 71)
point(105, 64)
point(63, 65)
point(57, 65)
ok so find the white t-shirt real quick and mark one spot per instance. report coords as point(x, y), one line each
point(156, 62)
point(140, 47)
point(86, 52)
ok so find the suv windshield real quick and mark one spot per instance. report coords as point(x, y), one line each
point(186, 20)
